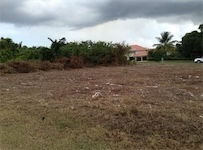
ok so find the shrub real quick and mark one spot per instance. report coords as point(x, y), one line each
point(95, 53)
point(8, 49)
point(62, 60)
point(46, 65)
point(29, 54)
point(46, 54)
point(57, 66)
point(43, 65)
point(156, 54)
point(4, 68)
point(21, 67)
point(119, 52)
point(74, 62)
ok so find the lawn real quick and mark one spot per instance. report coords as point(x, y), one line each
point(143, 106)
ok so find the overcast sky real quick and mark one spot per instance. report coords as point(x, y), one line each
point(132, 21)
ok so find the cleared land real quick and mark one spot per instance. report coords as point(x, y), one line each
point(145, 106)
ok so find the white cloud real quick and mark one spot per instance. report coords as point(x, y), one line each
point(132, 31)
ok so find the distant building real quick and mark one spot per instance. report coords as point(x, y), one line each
point(138, 52)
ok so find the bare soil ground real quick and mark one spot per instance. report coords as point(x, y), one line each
point(145, 106)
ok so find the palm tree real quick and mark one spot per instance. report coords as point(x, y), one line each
point(165, 42)
point(201, 27)
point(55, 47)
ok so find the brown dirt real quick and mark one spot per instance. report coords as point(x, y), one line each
point(145, 106)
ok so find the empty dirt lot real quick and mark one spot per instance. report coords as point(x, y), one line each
point(145, 106)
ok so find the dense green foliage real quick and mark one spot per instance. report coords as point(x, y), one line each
point(54, 51)
point(13, 51)
point(156, 54)
point(191, 45)
point(97, 53)
point(164, 49)
point(8, 49)
point(31, 53)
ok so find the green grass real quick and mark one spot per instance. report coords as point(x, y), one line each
point(168, 62)
point(20, 130)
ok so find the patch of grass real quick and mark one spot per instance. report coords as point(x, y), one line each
point(128, 112)
point(19, 130)
point(173, 62)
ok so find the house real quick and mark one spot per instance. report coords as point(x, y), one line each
point(138, 52)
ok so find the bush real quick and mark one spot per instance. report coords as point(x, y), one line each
point(46, 65)
point(156, 54)
point(63, 55)
point(26, 67)
point(29, 54)
point(95, 53)
point(46, 54)
point(57, 66)
point(74, 62)
point(43, 65)
point(22, 67)
point(119, 52)
point(4, 68)
point(62, 60)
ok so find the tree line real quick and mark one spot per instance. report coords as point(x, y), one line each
point(189, 47)
point(87, 52)
point(102, 53)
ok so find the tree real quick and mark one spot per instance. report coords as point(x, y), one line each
point(156, 54)
point(8, 49)
point(165, 42)
point(191, 45)
point(54, 51)
point(201, 27)
point(31, 53)
point(165, 46)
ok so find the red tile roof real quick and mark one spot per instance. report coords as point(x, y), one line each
point(137, 47)
point(139, 51)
